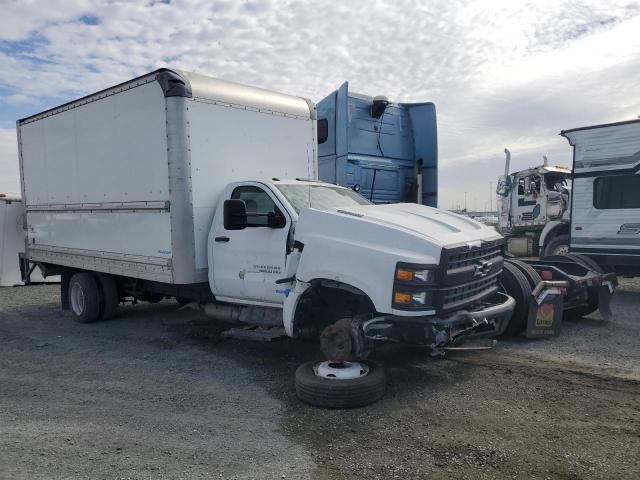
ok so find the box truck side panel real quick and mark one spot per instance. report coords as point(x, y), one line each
point(111, 150)
point(96, 183)
point(227, 143)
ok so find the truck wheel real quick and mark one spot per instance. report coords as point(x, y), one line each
point(340, 384)
point(532, 276)
point(84, 298)
point(516, 285)
point(557, 246)
point(585, 261)
point(110, 296)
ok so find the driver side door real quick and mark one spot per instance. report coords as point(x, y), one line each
point(247, 262)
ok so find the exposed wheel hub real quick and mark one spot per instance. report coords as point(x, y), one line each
point(341, 370)
point(335, 341)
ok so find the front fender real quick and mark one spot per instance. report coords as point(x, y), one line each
point(291, 304)
point(547, 232)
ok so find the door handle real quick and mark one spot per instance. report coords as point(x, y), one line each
point(221, 239)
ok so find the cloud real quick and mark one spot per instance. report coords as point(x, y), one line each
point(502, 73)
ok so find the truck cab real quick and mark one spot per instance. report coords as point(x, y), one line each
point(534, 209)
point(321, 252)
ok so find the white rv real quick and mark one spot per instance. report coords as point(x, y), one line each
point(605, 217)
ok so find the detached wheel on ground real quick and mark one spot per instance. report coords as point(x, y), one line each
point(557, 246)
point(340, 384)
point(84, 298)
point(516, 285)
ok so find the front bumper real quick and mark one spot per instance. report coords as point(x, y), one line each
point(489, 319)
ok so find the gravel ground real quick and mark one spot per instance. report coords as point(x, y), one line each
point(157, 393)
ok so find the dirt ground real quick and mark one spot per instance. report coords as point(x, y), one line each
point(158, 393)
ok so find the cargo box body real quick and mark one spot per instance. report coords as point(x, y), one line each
point(125, 181)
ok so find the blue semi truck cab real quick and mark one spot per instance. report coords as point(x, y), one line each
point(389, 150)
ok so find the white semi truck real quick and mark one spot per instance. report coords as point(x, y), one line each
point(534, 207)
point(179, 185)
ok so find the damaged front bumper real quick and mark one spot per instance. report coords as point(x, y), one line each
point(486, 320)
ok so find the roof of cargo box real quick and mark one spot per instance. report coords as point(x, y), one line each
point(178, 83)
point(602, 125)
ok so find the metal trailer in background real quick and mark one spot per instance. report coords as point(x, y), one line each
point(12, 237)
point(605, 214)
point(389, 150)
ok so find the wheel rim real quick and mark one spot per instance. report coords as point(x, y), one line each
point(77, 299)
point(561, 250)
point(341, 370)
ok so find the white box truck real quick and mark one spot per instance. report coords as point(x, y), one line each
point(179, 185)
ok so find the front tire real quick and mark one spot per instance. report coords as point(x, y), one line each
point(557, 246)
point(339, 393)
point(84, 298)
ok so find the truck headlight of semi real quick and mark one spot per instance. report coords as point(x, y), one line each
point(411, 286)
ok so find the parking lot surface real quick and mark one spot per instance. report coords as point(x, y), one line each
point(158, 393)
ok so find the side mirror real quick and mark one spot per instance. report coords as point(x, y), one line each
point(235, 215)
point(276, 220)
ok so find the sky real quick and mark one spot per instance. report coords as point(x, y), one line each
point(501, 73)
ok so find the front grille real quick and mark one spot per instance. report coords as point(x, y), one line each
point(527, 216)
point(462, 257)
point(468, 293)
point(469, 274)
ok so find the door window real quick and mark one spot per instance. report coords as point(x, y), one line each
point(259, 204)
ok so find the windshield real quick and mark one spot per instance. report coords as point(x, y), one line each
point(321, 197)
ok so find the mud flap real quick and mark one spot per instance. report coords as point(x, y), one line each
point(605, 292)
point(545, 310)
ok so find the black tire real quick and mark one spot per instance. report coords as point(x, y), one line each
point(87, 310)
point(533, 277)
point(110, 296)
point(560, 240)
point(152, 298)
point(585, 261)
point(334, 393)
point(516, 285)
point(183, 301)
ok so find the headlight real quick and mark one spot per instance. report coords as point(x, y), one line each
point(415, 274)
point(408, 275)
point(411, 286)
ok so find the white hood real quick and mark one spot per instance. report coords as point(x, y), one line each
point(438, 226)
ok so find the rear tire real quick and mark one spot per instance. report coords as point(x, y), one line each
point(340, 393)
point(533, 277)
point(557, 246)
point(587, 262)
point(84, 298)
point(110, 296)
point(516, 285)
